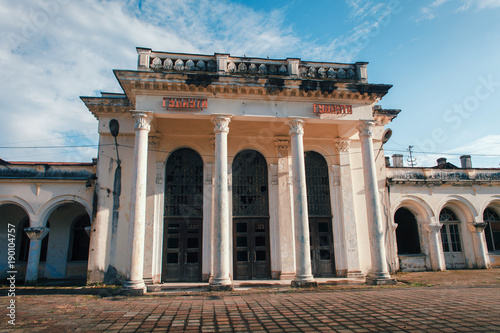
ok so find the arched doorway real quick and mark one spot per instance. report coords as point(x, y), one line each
point(320, 215)
point(407, 236)
point(451, 239)
point(251, 258)
point(61, 242)
point(12, 223)
point(182, 231)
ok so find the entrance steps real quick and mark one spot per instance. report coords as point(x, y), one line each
point(242, 285)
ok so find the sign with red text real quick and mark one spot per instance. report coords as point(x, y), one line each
point(332, 108)
point(195, 104)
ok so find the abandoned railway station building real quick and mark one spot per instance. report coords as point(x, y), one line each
point(219, 168)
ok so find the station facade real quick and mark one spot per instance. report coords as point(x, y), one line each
point(221, 168)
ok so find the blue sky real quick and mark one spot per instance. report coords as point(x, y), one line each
point(442, 56)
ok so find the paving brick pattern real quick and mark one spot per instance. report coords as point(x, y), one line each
point(424, 309)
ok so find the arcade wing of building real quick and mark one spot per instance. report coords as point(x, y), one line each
point(219, 168)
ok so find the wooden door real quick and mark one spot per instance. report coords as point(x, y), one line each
point(251, 248)
point(322, 254)
point(182, 250)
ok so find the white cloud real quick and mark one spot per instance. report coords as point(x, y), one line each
point(430, 11)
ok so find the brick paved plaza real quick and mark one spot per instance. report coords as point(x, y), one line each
point(403, 309)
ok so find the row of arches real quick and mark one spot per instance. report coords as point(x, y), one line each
point(250, 211)
point(64, 250)
point(410, 240)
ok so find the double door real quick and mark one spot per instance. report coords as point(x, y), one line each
point(452, 246)
point(322, 252)
point(182, 250)
point(251, 248)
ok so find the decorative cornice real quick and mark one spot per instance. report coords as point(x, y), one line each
point(281, 145)
point(366, 129)
point(142, 120)
point(221, 124)
point(342, 145)
point(153, 141)
point(296, 126)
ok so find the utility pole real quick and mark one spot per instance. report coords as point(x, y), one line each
point(412, 161)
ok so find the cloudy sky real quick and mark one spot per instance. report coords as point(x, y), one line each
point(442, 56)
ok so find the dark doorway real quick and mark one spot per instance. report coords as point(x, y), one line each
point(251, 257)
point(407, 236)
point(320, 215)
point(182, 231)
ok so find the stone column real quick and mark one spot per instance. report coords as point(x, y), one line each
point(135, 283)
point(438, 263)
point(344, 198)
point(36, 235)
point(380, 268)
point(303, 273)
point(283, 211)
point(220, 279)
point(483, 260)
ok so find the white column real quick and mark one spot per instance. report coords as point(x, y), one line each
point(380, 268)
point(220, 279)
point(283, 212)
point(36, 235)
point(303, 273)
point(135, 283)
point(483, 260)
point(344, 198)
point(437, 254)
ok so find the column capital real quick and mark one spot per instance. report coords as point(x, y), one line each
point(435, 227)
point(296, 126)
point(221, 123)
point(479, 226)
point(366, 128)
point(142, 120)
point(342, 145)
point(36, 233)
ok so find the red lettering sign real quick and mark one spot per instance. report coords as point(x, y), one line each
point(185, 103)
point(332, 108)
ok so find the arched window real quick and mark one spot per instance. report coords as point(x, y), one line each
point(80, 238)
point(184, 184)
point(407, 232)
point(317, 184)
point(250, 186)
point(450, 232)
point(492, 231)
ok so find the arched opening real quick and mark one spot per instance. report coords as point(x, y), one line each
point(451, 239)
point(182, 231)
point(12, 223)
point(80, 240)
point(251, 258)
point(66, 240)
point(320, 215)
point(492, 230)
point(407, 236)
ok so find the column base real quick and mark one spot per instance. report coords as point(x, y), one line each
point(287, 276)
point(355, 275)
point(374, 281)
point(220, 287)
point(148, 281)
point(304, 284)
point(134, 288)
